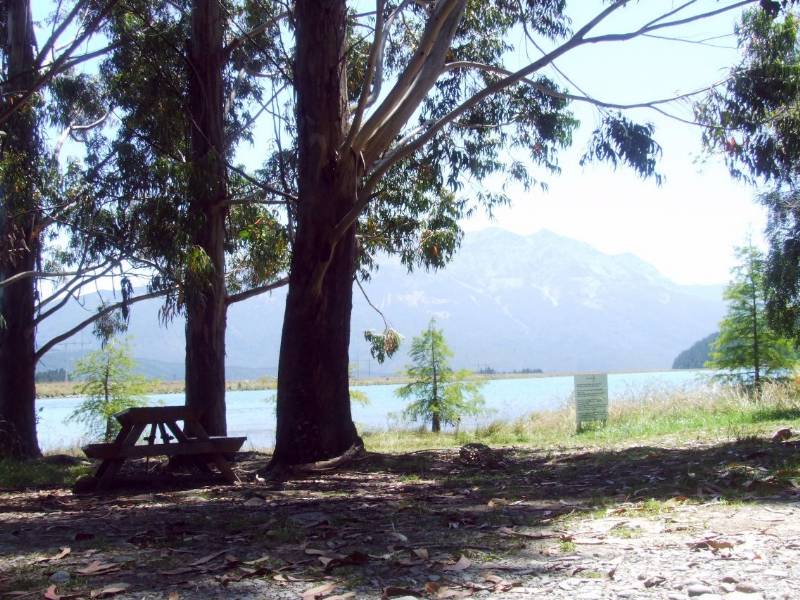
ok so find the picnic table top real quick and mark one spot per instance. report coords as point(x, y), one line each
point(155, 414)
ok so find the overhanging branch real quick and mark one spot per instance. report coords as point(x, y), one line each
point(100, 313)
point(233, 298)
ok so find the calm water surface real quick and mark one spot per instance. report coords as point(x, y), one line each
point(252, 413)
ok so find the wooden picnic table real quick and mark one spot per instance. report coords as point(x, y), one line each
point(191, 440)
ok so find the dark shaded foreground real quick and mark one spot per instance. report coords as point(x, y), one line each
point(434, 523)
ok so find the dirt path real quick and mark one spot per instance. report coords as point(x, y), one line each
point(705, 521)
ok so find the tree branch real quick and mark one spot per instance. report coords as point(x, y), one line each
point(59, 64)
point(464, 64)
point(62, 27)
point(100, 313)
point(44, 275)
point(655, 25)
point(377, 47)
point(73, 286)
point(248, 35)
point(233, 298)
point(430, 38)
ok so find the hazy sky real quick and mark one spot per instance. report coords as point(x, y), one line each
point(687, 227)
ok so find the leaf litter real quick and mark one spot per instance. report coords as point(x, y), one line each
point(349, 533)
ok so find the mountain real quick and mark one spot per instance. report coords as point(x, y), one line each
point(506, 301)
point(696, 356)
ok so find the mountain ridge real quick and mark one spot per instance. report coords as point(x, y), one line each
point(505, 301)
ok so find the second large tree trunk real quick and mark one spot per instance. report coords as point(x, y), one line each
point(205, 294)
point(19, 244)
point(313, 410)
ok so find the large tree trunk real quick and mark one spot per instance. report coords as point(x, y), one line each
point(205, 298)
point(313, 410)
point(19, 244)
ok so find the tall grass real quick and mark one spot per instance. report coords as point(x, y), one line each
point(708, 413)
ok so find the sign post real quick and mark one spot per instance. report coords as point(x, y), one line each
point(591, 399)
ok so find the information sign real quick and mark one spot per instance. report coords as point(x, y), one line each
point(591, 398)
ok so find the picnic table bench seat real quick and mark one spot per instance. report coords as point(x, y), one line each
point(191, 441)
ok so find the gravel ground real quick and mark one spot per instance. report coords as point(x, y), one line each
point(706, 521)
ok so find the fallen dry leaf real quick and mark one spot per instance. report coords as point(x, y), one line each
point(421, 553)
point(354, 558)
point(462, 564)
point(64, 552)
point(97, 568)
point(432, 587)
point(711, 544)
point(394, 591)
point(446, 593)
point(207, 559)
point(110, 590)
point(530, 536)
point(396, 535)
point(317, 591)
point(51, 594)
point(180, 571)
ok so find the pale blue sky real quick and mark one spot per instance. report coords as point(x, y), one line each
point(686, 228)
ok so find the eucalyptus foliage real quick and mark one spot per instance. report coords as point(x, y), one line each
point(753, 120)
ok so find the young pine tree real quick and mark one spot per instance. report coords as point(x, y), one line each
point(440, 395)
point(748, 349)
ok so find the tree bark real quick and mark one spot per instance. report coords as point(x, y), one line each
point(19, 243)
point(205, 292)
point(313, 405)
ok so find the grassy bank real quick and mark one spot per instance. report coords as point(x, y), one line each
point(659, 415)
point(60, 389)
point(665, 417)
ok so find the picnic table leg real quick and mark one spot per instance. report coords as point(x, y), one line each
point(128, 436)
point(182, 437)
point(219, 460)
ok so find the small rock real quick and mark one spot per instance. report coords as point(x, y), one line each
point(675, 596)
point(60, 577)
point(776, 573)
point(711, 596)
point(698, 589)
point(782, 434)
point(747, 588)
point(727, 587)
point(654, 581)
point(743, 596)
point(254, 501)
point(729, 579)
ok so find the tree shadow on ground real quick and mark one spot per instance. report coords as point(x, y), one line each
point(386, 521)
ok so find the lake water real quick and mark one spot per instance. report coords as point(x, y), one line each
point(252, 413)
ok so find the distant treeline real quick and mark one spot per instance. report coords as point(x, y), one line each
point(491, 371)
point(696, 356)
point(51, 375)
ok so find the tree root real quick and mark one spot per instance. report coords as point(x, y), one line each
point(281, 472)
